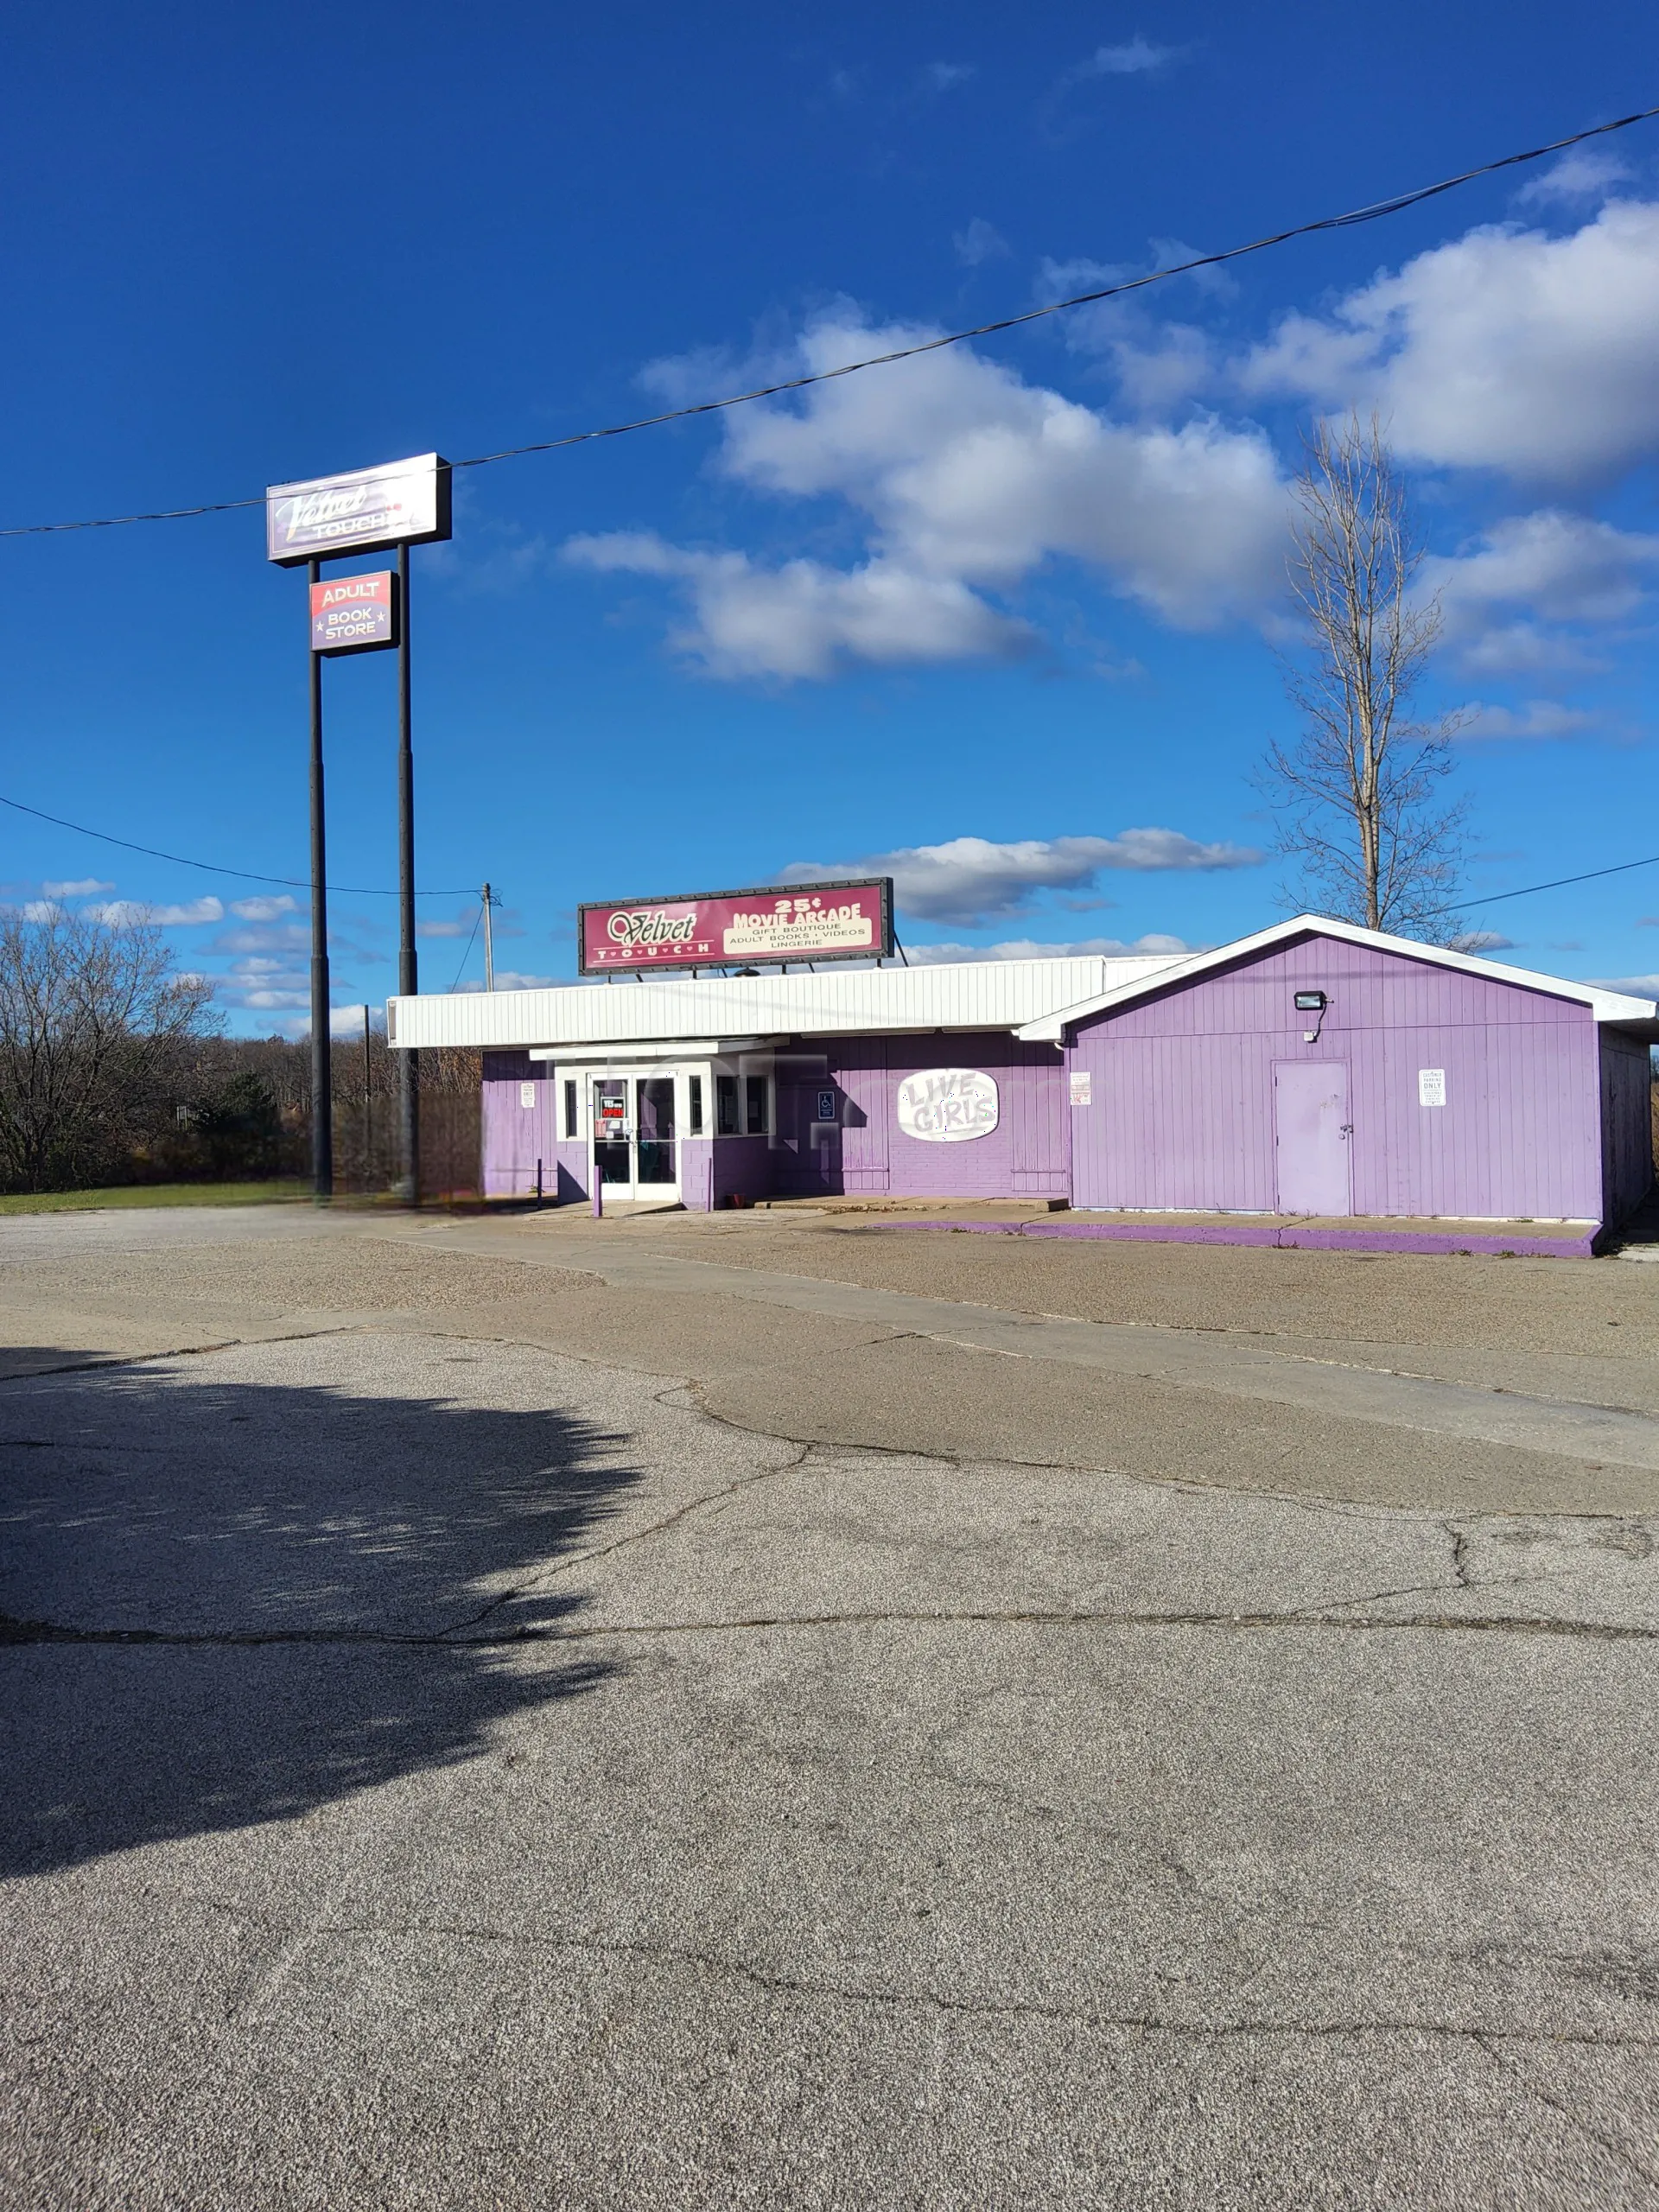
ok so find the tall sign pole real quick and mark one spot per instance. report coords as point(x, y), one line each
point(322, 1095)
point(409, 1077)
point(402, 503)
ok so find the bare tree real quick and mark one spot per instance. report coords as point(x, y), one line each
point(91, 1015)
point(1362, 813)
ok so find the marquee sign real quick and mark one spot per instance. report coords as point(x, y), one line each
point(365, 511)
point(743, 929)
point(354, 615)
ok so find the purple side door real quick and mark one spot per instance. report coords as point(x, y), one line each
point(1312, 1136)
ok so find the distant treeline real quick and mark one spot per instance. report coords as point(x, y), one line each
point(114, 1068)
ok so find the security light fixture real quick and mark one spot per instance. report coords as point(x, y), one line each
point(1310, 1001)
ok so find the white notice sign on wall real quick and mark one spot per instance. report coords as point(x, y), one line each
point(1431, 1086)
point(1082, 1087)
point(527, 1096)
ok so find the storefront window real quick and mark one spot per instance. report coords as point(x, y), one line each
point(726, 1105)
point(694, 1084)
point(757, 1105)
point(655, 1109)
point(569, 1109)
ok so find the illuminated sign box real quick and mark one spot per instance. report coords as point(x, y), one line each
point(365, 511)
point(354, 615)
point(738, 929)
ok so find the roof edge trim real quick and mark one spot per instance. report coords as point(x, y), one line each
point(1611, 1007)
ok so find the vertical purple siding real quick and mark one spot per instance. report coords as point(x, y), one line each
point(1543, 1118)
point(1182, 1114)
point(516, 1137)
point(1026, 1155)
point(1626, 1125)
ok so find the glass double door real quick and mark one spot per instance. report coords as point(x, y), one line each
point(635, 1155)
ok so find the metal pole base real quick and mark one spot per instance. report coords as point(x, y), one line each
point(406, 1189)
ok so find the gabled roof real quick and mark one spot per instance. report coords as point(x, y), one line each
point(1611, 1007)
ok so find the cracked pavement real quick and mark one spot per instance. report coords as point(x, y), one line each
point(503, 1715)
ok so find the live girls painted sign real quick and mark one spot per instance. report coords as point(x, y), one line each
point(740, 929)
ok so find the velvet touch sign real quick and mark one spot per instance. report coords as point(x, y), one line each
point(947, 1105)
point(740, 929)
point(401, 503)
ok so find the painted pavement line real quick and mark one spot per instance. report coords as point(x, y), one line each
point(1567, 1428)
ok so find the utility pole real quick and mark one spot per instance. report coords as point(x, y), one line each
point(368, 1111)
point(323, 1100)
point(408, 1188)
point(489, 944)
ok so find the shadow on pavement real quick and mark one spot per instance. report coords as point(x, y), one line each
point(229, 1602)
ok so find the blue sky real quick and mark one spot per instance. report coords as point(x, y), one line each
point(1004, 614)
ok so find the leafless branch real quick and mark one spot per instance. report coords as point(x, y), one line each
point(1361, 812)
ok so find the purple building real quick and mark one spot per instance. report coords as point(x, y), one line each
point(1314, 1070)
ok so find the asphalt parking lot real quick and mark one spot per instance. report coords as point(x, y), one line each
point(533, 1713)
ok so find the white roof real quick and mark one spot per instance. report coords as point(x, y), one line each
point(1611, 1007)
point(969, 994)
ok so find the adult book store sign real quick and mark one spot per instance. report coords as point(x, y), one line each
point(746, 929)
point(354, 615)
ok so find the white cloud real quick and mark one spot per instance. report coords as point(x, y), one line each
point(264, 909)
point(1024, 948)
point(1136, 57)
point(120, 912)
point(971, 879)
point(1507, 349)
point(1216, 283)
point(1483, 941)
point(1160, 363)
point(1582, 172)
point(966, 471)
point(267, 983)
point(265, 937)
point(459, 925)
point(345, 1022)
point(87, 886)
point(967, 480)
point(38, 910)
point(1522, 600)
point(980, 241)
point(1539, 718)
point(802, 620)
point(511, 979)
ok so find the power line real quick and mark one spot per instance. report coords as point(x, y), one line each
point(1370, 213)
point(467, 955)
point(366, 891)
point(207, 868)
point(1623, 867)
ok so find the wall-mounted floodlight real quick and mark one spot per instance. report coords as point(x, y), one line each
point(1310, 1001)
